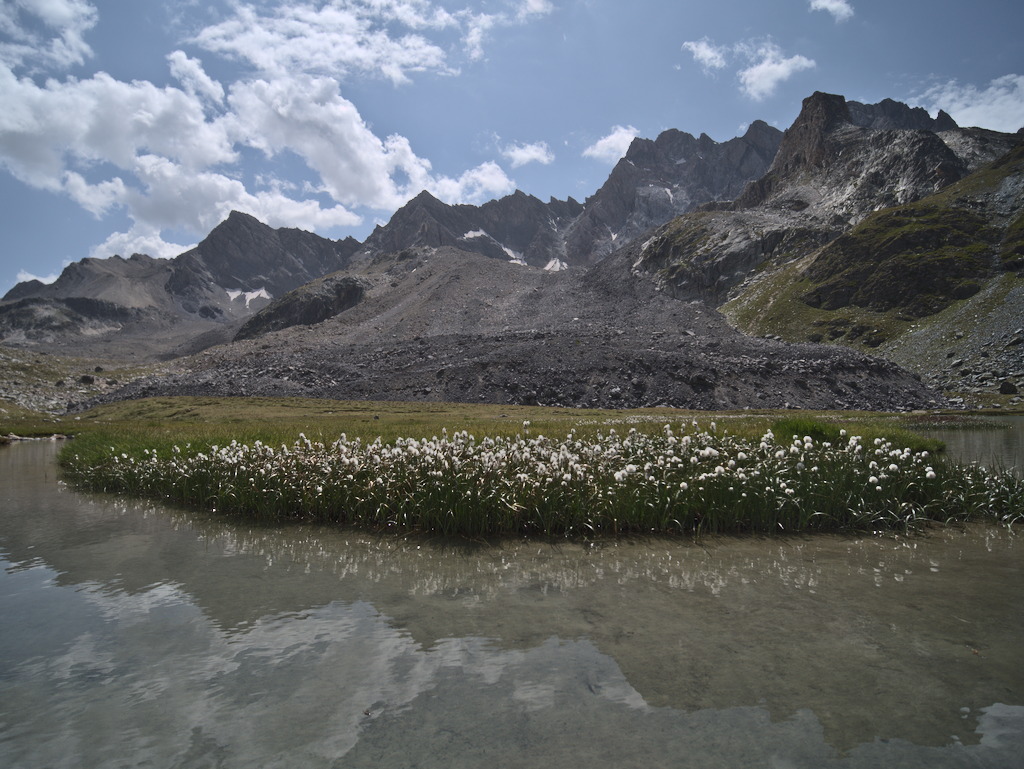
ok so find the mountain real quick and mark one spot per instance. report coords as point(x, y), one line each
point(661, 179)
point(518, 227)
point(655, 181)
point(149, 308)
point(936, 285)
point(868, 252)
point(166, 307)
point(829, 173)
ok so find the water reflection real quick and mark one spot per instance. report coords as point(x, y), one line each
point(1001, 445)
point(132, 630)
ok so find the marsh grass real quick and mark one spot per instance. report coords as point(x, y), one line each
point(612, 473)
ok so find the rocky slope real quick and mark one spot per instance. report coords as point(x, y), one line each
point(936, 285)
point(442, 324)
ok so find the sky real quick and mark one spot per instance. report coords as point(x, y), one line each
point(137, 125)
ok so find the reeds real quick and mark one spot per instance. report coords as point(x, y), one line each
point(680, 480)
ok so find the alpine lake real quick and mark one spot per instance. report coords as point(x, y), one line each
point(135, 635)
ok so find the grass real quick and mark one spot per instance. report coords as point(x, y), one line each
point(483, 471)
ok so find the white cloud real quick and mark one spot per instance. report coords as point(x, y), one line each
point(24, 276)
point(999, 106)
point(140, 239)
point(476, 32)
point(62, 44)
point(528, 8)
point(769, 69)
point(193, 78)
point(521, 154)
point(477, 185)
point(841, 10)
point(707, 54)
point(614, 145)
point(309, 117)
point(336, 38)
point(767, 66)
point(174, 158)
point(100, 120)
point(345, 37)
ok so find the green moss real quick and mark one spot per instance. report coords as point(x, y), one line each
point(1012, 251)
point(917, 259)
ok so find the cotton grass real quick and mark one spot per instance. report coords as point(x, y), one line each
point(677, 481)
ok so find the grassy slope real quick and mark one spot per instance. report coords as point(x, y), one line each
point(903, 270)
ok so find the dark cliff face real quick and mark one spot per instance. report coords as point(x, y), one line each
point(309, 304)
point(882, 154)
point(518, 226)
point(889, 115)
point(242, 253)
point(658, 180)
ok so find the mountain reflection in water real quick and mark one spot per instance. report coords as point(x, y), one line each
point(136, 634)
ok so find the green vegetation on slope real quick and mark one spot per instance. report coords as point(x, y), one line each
point(916, 259)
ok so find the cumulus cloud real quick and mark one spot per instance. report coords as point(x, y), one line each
point(140, 239)
point(338, 38)
point(477, 185)
point(193, 78)
point(841, 10)
point(707, 54)
point(45, 33)
point(521, 154)
point(766, 65)
point(613, 146)
point(345, 37)
point(528, 8)
point(998, 106)
point(24, 275)
point(768, 69)
point(171, 158)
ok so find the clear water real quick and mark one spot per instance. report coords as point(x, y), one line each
point(134, 635)
point(1002, 445)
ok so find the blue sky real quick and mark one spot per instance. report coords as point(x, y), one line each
point(137, 125)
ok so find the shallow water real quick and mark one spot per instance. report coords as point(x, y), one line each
point(135, 635)
point(1001, 446)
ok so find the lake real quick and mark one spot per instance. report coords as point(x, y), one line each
point(136, 635)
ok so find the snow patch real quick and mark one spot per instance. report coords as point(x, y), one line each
point(513, 256)
point(556, 265)
point(249, 295)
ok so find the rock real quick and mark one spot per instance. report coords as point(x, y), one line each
point(1007, 387)
point(309, 304)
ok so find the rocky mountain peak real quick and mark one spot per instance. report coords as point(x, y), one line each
point(760, 134)
point(889, 115)
point(242, 253)
point(805, 143)
point(663, 178)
